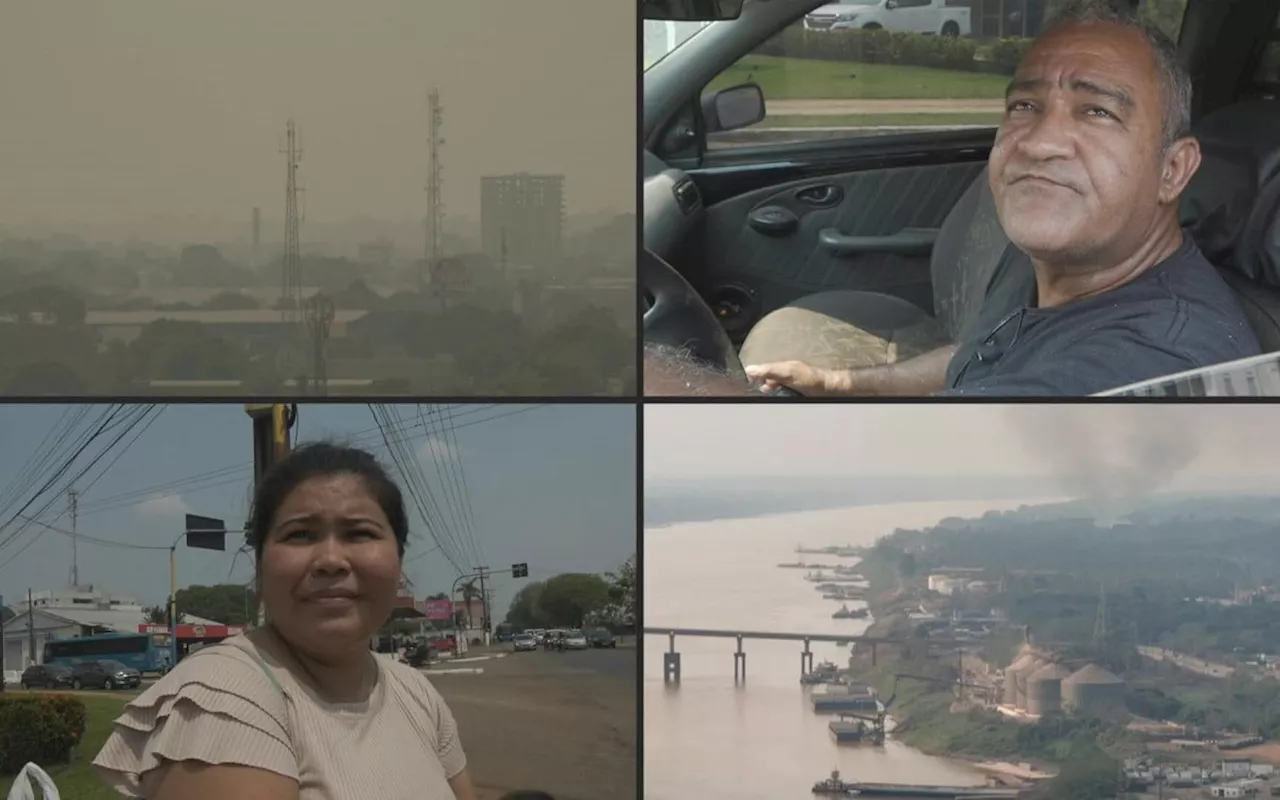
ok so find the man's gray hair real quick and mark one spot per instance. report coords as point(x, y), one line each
point(1175, 79)
point(677, 372)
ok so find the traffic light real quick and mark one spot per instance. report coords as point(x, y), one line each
point(519, 570)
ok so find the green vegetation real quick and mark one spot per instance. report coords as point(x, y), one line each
point(788, 78)
point(573, 600)
point(925, 719)
point(1046, 567)
point(77, 779)
point(877, 120)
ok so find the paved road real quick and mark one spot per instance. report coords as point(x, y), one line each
point(564, 723)
point(1189, 663)
point(834, 108)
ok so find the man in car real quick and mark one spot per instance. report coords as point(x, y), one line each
point(1102, 288)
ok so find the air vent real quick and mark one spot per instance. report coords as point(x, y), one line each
point(687, 196)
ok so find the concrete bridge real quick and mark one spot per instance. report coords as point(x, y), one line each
point(671, 658)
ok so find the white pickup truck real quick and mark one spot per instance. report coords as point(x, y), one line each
point(914, 16)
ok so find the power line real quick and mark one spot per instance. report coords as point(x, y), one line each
point(236, 473)
point(136, 415)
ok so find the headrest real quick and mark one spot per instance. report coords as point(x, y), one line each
point(1232, 205)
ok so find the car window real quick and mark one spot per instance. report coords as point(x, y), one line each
point(1257, 376)
point(662, 38)
point(914, 66)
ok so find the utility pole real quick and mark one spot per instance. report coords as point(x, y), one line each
point(31, 629)
point(271, 443)
point(320, 313)
point(484, 600)
point(1, 644)
point(75, 570)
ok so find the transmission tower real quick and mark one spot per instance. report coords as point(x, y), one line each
point(435, 182)
point(291, 288)
point(1100, 624)
point(319, 319)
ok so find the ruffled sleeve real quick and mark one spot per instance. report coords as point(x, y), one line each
point(213, 708)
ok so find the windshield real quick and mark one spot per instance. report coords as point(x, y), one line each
point(112, 665)
point(661, 38)
point(1258, 376)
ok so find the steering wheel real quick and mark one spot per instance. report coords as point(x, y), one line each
point(677, 316)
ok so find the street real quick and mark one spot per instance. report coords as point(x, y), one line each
point(563, 723)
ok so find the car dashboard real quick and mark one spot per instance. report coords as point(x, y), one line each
point(672, 207)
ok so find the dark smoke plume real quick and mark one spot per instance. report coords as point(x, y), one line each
point(1111, 455)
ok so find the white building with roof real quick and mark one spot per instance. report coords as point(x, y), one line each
point(67, 614)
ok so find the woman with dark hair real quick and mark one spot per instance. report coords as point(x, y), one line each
point(300, 709)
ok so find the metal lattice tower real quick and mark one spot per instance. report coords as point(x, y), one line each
point(435, 182)
point(291, 287)
point(1100, 624)
point(320, 313)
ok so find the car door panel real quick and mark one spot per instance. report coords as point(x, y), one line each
point(876, 236)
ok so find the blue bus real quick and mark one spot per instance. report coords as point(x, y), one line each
point(145, 652)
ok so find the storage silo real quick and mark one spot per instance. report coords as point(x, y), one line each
point(1044, 689)
point(1011, 678)
point(1016, 678)
point(1093, 691)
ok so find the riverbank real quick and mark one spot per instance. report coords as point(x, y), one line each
point(926, 714)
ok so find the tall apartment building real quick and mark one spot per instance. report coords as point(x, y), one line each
point(523, 215)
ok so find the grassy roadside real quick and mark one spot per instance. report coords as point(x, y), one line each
point(803, 79)
point(876, 120)
point(78, 781)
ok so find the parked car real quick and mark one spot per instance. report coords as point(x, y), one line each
point(91, 675)
point(524, 641)
point(599, 637)
point(915, 16)
point(121, 675)
point(46, 676)
point(575, 640)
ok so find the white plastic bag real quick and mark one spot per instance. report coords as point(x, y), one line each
point(29, 779)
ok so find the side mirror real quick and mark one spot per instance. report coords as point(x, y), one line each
point(733, 108)
point(691, 10)
point(890, 4)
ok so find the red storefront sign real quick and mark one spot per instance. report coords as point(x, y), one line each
point(187, 631)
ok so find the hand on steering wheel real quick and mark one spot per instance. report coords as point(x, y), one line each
point(789, 378)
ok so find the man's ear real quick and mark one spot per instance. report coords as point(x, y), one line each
point(1181, 160)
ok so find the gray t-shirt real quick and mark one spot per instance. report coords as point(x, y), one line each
point(1179, 315)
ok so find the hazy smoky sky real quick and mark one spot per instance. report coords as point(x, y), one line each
point(138, 109)
point(1090, 449)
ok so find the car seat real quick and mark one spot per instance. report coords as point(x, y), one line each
point(1232, 207)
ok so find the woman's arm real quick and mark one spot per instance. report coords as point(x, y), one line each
point(463, 788)
point(195, 780)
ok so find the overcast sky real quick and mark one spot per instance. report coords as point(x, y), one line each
point(943, 440)
point(124, 110)
point(552, 486)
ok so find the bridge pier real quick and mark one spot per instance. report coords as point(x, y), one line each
point(671, 662)
point(806, 660)
point(740, 664)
